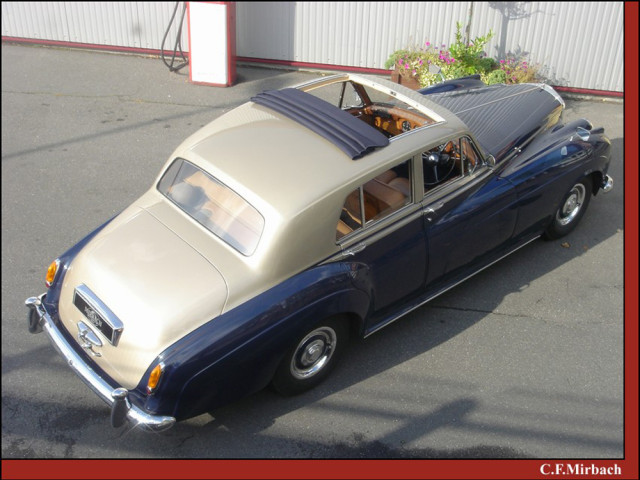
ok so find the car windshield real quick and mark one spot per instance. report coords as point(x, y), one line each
point(214, 205)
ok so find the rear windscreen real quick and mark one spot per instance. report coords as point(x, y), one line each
point(214, 205)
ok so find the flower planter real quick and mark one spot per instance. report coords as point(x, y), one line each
point(409, 82)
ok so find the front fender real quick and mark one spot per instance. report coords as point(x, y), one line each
point(544, 171)
point(237, 353)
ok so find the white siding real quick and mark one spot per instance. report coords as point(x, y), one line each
point(121, 24)
point(579, 43)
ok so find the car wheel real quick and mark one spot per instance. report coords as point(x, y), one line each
point(312, 357)
point(571, 210)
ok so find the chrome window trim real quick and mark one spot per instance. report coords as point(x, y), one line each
point(474, 146)
point(375, 230)
point(463, 179)
point(371, 225)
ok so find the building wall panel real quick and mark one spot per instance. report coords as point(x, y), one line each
point(580, 44)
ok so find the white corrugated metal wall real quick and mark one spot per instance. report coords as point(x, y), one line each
point(119, 24)
point(579, 43)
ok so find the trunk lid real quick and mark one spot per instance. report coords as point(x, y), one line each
point(140, 273)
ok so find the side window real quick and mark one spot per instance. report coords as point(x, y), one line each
point(376, 199)
point(442, 164)
point(470, 157)
point(351, 216)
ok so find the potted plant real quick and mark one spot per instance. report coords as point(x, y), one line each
point(406, 65)
point(429, 64)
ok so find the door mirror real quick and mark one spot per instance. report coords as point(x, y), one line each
point(490, 161)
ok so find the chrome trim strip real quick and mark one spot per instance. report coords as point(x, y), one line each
point(444, 290)
point(89, 376)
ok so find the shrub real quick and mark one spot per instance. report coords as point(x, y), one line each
point(517, 70)
point(430, 63)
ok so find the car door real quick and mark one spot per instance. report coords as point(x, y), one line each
point(469, 216)
point(381, 233)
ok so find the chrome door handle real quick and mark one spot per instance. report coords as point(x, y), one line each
point(355, 249)
point(431, 210)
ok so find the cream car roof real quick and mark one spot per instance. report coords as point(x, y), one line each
point(274, 162)
point(297, 179)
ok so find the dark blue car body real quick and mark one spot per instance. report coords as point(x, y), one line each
point(534, 162)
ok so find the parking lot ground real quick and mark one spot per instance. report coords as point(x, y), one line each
point(523, 361)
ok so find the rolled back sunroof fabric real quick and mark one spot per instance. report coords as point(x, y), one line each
point(352, 136)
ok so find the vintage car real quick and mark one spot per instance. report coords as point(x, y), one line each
point(303, 218)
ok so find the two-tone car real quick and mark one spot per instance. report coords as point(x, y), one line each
point(303, 218)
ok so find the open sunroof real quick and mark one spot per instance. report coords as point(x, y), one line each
point(351, 135)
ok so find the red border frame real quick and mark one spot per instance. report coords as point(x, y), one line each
point(379, 469)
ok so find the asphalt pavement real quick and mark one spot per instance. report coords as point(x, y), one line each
point(524, 360)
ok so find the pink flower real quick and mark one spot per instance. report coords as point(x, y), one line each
point(428, 44)
point(501, 61)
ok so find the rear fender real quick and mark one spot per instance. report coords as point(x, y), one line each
point(237, 353)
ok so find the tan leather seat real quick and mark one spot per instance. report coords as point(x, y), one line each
point(401, 184)
point(383, 198)
point(386, 177)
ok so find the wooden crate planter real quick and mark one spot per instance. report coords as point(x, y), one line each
point(409, 82)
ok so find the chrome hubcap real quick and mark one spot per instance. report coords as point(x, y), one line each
point(313, 352)
point(572, 205)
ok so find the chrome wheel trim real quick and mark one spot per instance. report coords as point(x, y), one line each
point(572, 205)
point(313, 353)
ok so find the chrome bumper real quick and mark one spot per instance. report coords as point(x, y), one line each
point(121, 408)
point(607, 184)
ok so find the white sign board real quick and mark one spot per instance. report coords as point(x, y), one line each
point(211, 43)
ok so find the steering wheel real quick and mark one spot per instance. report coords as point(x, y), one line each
point(438, 164)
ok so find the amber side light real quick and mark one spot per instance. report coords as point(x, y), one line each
point(51, 273)
point(154, 378)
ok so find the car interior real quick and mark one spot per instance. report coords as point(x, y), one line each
point(383, 112)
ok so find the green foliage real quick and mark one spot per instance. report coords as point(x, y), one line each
point(431, 64)
point(517, 70)
point(494, 76)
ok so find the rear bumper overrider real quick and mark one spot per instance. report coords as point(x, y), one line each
point(607, 184)
point(117, 398)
